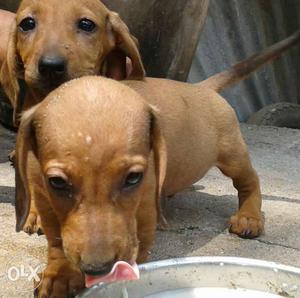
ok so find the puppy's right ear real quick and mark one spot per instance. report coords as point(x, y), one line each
point(25, 159)
point(159, 148)
point(123, 46)
point(9, 73)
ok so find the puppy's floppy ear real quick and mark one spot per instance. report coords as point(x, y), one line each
point(9, 73)
point(25, 150)
point(160, 161)
point(123, 45)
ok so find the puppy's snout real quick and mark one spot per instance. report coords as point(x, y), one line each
point(97, 269)
point(52, 66)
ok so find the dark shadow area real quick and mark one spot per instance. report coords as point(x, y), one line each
point(7, 143)
point(195, 218)
point(11, 5)
point(7, 194)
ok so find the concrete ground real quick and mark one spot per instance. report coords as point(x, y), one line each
point(197, 216)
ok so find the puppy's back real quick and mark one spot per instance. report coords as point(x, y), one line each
point(194, 121)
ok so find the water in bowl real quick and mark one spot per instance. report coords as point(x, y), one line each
point(213, 292)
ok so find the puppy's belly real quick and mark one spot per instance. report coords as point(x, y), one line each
point(184, 176)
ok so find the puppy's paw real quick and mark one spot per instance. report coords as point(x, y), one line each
point(60, 280)
point(245, 226)
point(12, 157)
point(33, 224)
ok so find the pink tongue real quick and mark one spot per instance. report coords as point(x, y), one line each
point(120, 272)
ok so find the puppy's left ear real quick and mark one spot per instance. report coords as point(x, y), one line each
point(25, 157)
point(9, 72)
point(123, 45)
point(159, 148)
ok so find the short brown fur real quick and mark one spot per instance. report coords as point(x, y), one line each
point(170, 131)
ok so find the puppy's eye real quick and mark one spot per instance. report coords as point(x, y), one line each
point(58, 183)
point(27, 24)
point(133, 179)
point(86, 25)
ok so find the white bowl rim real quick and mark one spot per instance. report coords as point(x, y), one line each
point(217, 260)
point(206, 261)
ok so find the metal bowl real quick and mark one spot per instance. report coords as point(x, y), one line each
point(205, 277)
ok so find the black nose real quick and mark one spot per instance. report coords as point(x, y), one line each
point(97, 269)
point(53, 66)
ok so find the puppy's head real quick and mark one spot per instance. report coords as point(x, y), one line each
point(102, 159)
point(55, 41)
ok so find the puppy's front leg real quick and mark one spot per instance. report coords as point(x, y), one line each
point(60, 279)
point(146, 238)
point(146, 224)
point(33, 221)
point(35, 191)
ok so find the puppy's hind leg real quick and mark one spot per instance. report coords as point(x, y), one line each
point(235, 163)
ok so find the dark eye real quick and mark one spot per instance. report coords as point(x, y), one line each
point(133, 179)
point(27, 24)
point(58, 183)
point(86, 25)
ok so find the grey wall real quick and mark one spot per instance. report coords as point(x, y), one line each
point(168, 32)
point(236, 29)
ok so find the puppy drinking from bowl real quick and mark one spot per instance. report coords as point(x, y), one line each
point(98, 168)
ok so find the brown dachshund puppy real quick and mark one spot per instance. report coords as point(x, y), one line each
point(98, 168)
point(54, 41)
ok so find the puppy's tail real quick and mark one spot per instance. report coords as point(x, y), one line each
point(243, 69)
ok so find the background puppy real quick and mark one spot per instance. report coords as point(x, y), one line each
point(54, 41)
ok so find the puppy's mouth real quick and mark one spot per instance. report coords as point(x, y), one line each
point(44, 86)
point(121, 271)
point(48, 85)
